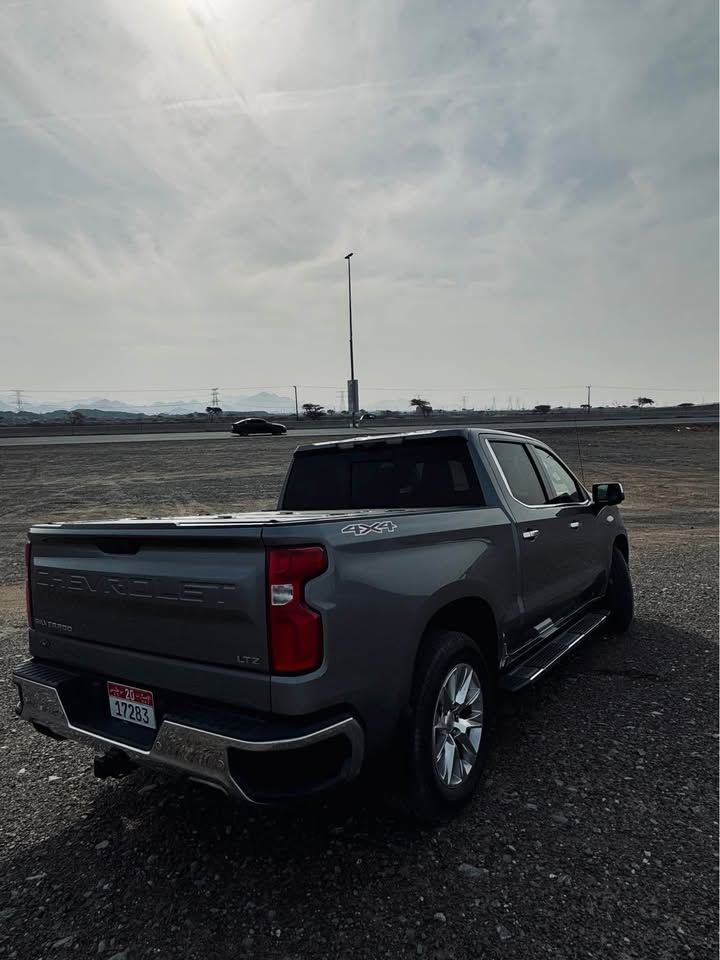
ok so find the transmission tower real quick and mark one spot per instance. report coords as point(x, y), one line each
point(464, 402)
point(18, 400)
point(215, 397)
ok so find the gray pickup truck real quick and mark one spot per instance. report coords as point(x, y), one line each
point(372, 617)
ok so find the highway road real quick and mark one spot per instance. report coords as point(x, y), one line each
point(522, 426)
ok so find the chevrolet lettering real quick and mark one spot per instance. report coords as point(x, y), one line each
point(136, 588)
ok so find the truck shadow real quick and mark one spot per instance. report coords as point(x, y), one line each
point(172, 855)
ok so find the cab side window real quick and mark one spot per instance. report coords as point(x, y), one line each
point(563, 486)
point(520, 471)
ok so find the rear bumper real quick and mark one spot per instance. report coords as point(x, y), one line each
point(249, 757)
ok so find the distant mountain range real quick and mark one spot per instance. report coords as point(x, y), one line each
point(268, 402)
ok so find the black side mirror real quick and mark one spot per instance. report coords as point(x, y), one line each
point(607, 494)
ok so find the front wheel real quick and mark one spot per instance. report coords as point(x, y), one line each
point(447, 739)
point(619, 597)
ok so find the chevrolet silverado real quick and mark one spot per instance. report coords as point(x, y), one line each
point(402, 581)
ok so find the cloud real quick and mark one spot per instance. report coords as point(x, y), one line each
point(181, 181)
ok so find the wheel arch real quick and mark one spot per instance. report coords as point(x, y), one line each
point(621, 543)
point(472, 616)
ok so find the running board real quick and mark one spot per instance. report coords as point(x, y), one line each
point(528, 671)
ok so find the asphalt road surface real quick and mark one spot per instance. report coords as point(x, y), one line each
point(522, 426)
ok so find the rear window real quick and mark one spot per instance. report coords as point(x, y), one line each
point(435, 473)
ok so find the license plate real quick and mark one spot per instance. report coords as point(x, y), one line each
point(131, 704)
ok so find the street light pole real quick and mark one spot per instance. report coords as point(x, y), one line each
point(353, 397)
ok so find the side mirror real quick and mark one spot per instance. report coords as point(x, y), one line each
point(607, 494)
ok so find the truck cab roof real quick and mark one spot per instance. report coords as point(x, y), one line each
point(440, 432)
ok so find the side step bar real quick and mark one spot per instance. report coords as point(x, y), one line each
point(528, 671)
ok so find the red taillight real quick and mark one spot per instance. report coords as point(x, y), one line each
point(28, 598)
point(295, 629)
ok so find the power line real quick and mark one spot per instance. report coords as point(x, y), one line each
point(476, 388)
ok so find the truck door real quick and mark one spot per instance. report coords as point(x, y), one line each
point(583, 556)
point(549, 583)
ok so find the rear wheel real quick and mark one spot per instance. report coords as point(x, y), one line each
point(447, 739)
point(619, 595)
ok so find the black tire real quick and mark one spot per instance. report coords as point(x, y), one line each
point(423, 794)
point(619, 593)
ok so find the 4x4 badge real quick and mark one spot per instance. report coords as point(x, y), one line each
point(360, 529)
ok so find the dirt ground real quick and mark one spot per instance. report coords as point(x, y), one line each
point(594, 835)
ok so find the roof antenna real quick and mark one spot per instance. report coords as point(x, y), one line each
point(577, 437)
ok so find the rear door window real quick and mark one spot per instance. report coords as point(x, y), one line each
point(520, 472)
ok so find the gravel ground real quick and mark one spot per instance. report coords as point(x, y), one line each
point(594, 835)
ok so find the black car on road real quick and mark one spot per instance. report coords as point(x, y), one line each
point(245, 428)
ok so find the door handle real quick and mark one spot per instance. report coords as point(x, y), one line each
point(530, 534)
point(575, 524)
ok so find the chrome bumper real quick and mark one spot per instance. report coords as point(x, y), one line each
point(191, 751)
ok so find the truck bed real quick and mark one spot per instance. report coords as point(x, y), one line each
point(187, 588)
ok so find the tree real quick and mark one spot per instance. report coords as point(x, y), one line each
point(645, 402)
point(76, 418)
point(422, 406)
point(542, 408)
point(213, 412)
point(313, 411)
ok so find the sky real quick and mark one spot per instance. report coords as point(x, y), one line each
point(529, 188)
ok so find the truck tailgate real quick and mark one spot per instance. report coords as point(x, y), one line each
point(156, 589)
